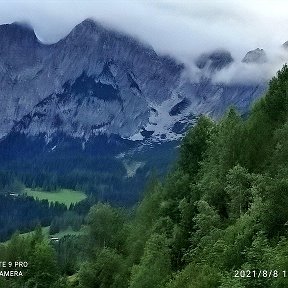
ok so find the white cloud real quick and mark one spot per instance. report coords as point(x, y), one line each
point(183, 29)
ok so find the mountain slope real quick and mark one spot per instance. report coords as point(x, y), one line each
point(97, 81)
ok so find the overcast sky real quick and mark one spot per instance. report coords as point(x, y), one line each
point(183, 29)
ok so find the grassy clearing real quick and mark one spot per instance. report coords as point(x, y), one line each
point(69, 231)
point(65, 196)
point(61, 234)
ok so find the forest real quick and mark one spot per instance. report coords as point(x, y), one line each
point(218, 219)
point(98, 170)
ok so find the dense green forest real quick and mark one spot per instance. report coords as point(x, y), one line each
point(99, 170)
point(219, 219)
point(19, 212)
point(24, 213)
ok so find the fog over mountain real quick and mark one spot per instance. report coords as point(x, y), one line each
point(97, 81)
point(182, 29)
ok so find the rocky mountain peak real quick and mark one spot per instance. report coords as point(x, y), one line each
point(215, 60)
point(86, 28)
point(98, 81)
point(17, 32)
point(19, 46)
point(285, 45)
point(255, 56)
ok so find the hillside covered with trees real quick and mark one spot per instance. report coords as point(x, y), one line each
point(222, 210)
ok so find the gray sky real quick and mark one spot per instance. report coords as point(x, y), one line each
point(183, 29)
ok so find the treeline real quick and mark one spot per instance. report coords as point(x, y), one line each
point(69, 219)
point(21, 213)
point(9, 183)
point(109, 184)
point(222, 209)
point(24, 213)
point(98, 172)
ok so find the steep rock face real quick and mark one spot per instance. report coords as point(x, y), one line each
point(98, 81)
point(255, 56)
point(19, 46)
point(20, 63)
point(216, 60)
point(139, 76)
point(84, 108)
point(285, 45)
point(213, 98)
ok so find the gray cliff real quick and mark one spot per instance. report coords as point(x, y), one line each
point(99, 81)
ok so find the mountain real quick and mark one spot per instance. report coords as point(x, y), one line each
point(285, 45)
point(64, 82)
point(255, 56)
point(99, 81)
point(100, 110)
point(215, 60)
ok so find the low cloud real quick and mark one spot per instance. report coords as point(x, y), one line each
point(182, 29)
point(249, 73)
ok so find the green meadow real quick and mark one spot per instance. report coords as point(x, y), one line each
point(65, 196)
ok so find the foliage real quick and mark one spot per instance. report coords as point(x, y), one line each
point(223, 208)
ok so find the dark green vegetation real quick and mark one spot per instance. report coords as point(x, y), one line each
point(19, 211)
point(97, 170)
point(222, 208)
point(23, 213)
point(101, 177)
